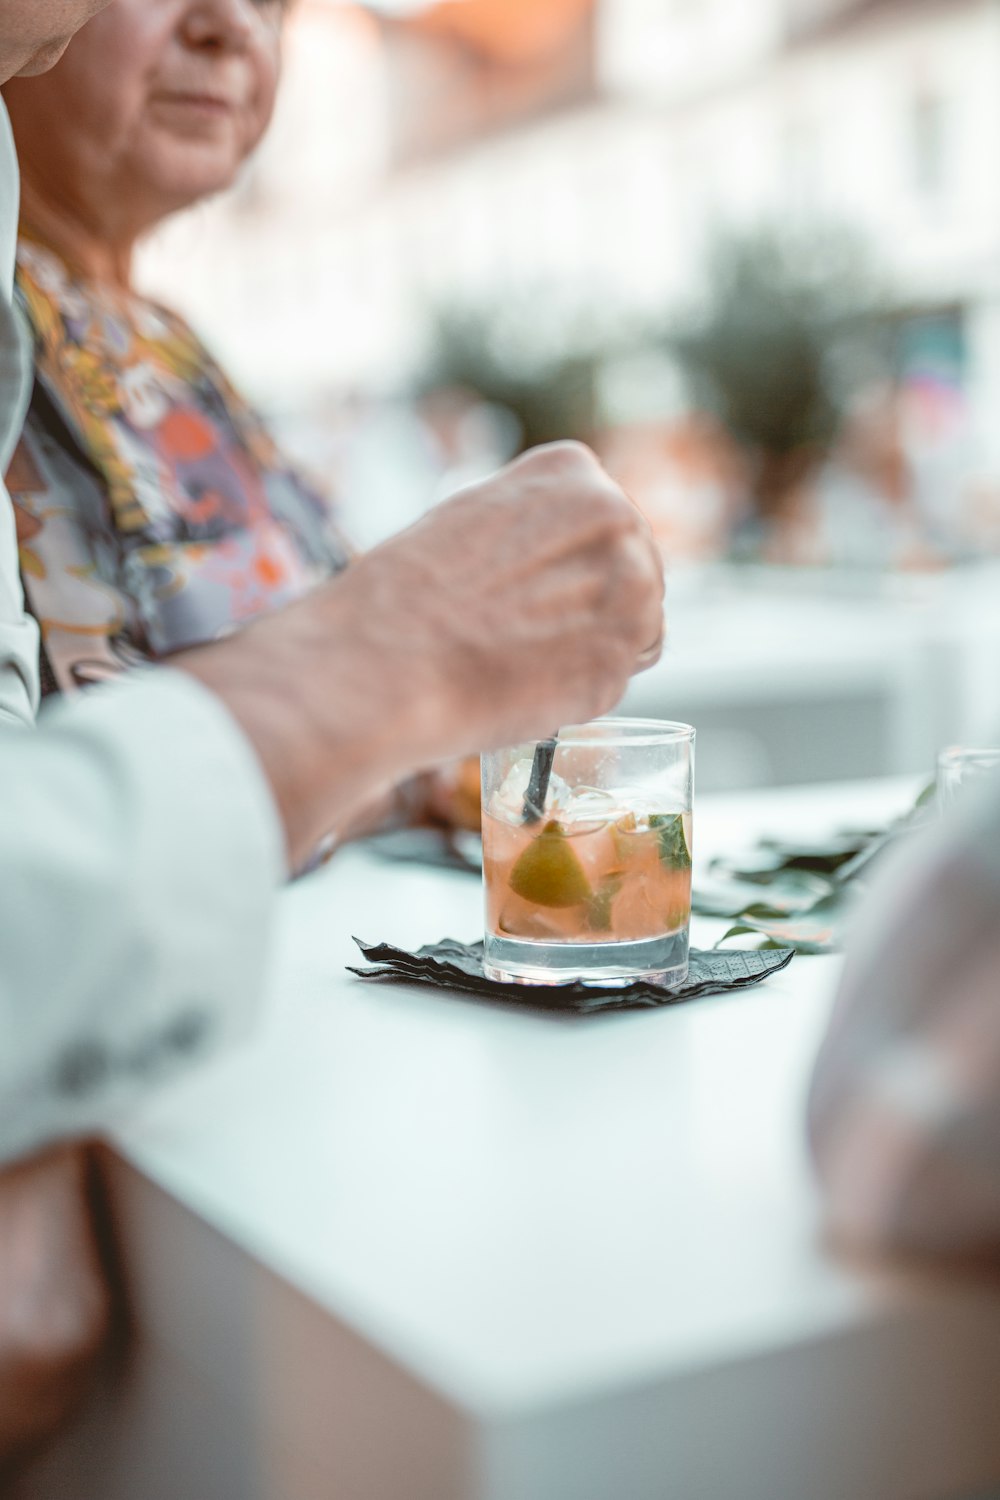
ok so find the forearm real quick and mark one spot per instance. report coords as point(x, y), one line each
point(18, 633)
point(329, 721)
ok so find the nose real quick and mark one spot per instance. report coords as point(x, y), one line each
point(218, 25)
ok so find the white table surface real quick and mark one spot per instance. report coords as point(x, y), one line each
point(584, 1256)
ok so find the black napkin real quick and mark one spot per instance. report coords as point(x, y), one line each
point(449, 965)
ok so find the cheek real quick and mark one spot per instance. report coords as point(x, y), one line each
point(122, 43)
point(127, 36)
point(267, 75)
point(100, 117)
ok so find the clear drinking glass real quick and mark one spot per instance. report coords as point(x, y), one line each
point(598, 889)
point(959, 767)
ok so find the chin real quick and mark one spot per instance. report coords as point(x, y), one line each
point(200, 186)
point(184, 178)
point(44, 59)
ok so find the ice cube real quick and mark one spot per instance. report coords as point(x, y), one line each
point(587, 808)
point(644, 803)
point(508, 799)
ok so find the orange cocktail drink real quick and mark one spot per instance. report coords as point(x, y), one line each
point(595, 886)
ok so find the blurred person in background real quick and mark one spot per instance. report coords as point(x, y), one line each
point(154, 511)
point(149, 825)
point(905, 1104)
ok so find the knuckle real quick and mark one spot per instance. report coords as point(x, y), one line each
point(628, 524)
point(636, 526)
point(618, 511)
point(570, 450)
point(602, 509)
point(637, 570)
point(566, 456)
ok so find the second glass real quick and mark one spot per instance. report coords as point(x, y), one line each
point(960, 768)
point(598, 889)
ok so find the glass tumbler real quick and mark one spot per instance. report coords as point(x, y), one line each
point(959, 768)
point(597, 889)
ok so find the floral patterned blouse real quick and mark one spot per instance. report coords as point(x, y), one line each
point(154, 511)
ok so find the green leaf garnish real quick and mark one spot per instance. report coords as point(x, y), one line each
point(816, 931)
point(801, 895)
point(674, 851)
point(788, 891)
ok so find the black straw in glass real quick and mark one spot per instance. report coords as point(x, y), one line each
point(538, 784)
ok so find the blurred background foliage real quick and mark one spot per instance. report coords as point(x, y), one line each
point(789, 328)
point(487, 352)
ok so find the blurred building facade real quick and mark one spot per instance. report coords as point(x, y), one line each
point(587, 150)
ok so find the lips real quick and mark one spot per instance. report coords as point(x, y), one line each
point(197, 100)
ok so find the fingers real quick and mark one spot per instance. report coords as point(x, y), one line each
point(635, 591)
point(650, 656)
point(649, 590)
point(567, 457)
point(618, 545)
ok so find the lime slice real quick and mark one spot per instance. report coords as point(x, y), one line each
point(674, 852)
point(549, 873)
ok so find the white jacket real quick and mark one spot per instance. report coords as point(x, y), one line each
point(140, 855)
point(18, 635)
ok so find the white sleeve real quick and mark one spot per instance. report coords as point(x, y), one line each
point(140, 857)
point(18, 632)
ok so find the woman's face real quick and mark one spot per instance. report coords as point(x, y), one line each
point(157, 100)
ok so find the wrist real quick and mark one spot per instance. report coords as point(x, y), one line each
point(333, 725)
point(384, 675)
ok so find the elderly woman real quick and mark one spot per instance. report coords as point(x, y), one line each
point(154, 511)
